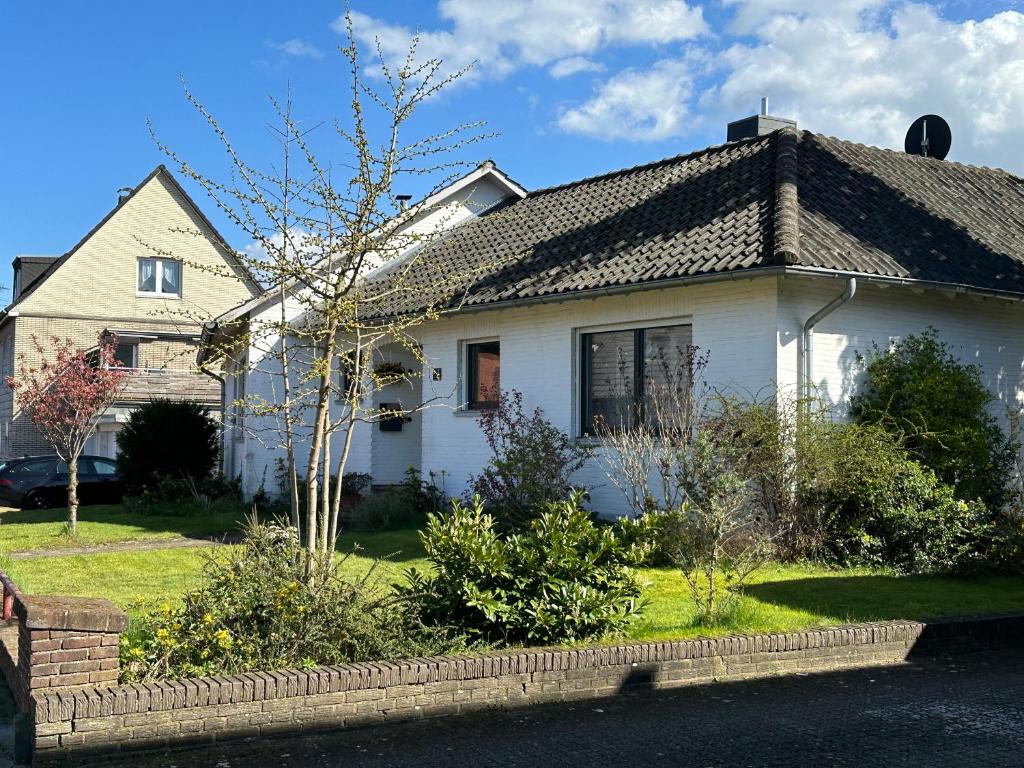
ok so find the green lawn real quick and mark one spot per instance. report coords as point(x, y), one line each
point(110, 523)
point(780, 598)
point(141, 581)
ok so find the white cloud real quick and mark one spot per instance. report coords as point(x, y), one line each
point(503, 36)
point(636, 105)
point(573, 65)
point(299, 49)
point(867, 76)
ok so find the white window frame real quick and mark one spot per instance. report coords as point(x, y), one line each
point(159, 293)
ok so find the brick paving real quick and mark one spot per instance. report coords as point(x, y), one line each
point(961, 711)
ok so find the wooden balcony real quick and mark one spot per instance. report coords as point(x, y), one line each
point(145, 384)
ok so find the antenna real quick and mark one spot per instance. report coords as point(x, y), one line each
point(928, 136)
point(764, 106)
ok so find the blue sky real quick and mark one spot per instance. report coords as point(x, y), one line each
point(574, 87)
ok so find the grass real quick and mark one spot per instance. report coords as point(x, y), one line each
point(779, 598)
point(112, 523)
point(142, 581)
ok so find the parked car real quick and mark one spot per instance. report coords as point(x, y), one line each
point(41, 482)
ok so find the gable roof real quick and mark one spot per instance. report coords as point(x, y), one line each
point(487, 169)
point(161, 170)
point(786, 201)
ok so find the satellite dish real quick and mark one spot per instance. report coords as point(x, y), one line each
point(929, 136)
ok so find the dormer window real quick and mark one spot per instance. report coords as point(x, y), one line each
point(159, 277)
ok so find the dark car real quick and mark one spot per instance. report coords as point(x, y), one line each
point(41, 482)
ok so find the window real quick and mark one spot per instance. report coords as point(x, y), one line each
point(160, 277)
point(33, 467)
point(623, 370)
point(483, 374)
point(127, 354)
point(104, 467)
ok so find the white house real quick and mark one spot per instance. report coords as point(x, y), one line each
point(781, 254)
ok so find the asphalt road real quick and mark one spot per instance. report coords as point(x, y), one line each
point(961, 711)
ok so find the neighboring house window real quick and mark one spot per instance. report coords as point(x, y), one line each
point(621, 371)
point(7, 351)
point(483, 374)
point(160, 277)
point(127, 354)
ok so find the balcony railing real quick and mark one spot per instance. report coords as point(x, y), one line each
point(145, 384)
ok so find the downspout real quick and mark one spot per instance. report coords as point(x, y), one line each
point(806, 367)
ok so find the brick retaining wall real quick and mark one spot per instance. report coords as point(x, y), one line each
point(188, 712)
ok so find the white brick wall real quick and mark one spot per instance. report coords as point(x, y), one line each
point(986, 332)
point(749, 327)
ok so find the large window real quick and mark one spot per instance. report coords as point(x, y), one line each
point(483, 374)
point(160, 277)
point(624, 371)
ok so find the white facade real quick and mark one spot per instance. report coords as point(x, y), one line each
point(750, 328)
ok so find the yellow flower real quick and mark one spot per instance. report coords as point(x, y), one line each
point(223, 638)
point(165, 608)
point(207, 618)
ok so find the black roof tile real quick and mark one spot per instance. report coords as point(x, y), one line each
point(787, 198)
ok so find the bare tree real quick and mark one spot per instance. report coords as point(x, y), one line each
point(335, 246)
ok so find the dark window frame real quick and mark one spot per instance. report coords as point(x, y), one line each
point(473, 374)
point(586, 410)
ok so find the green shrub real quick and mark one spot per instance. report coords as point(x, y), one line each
point(257, 608)
point(880, 507)
point(531, 463)
point(938, 408)
point(562, 579)
point(166, 439)
point(403, 506)
point(185, 497)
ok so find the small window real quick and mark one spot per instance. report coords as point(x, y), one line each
point(483, 374)
point(127, 355)
point(160, 277)
point(623, 371)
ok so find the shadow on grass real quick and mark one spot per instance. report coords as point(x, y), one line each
point(883, 597)
point(186, 520)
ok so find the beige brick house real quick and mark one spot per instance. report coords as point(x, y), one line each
point(150, 272)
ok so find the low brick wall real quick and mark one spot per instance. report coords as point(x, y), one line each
point(70, 724)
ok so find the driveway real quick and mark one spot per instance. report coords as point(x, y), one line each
point(962, 711)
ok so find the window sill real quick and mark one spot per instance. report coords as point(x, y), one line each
point(168, 296)
point(472, 413)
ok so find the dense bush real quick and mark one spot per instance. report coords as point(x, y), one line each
point(257, 608)
point(561, 579)
point(938, 408)
point(880, 507)
point(531, 463)
point(166, 439)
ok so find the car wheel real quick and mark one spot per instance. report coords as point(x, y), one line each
point(36, 500)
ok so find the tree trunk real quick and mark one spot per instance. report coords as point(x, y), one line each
point(73, 495)
point(316, 442)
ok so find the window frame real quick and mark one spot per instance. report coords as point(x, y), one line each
point(471, 378)
point(584, 409)
point(158, 274)
point(135, 353)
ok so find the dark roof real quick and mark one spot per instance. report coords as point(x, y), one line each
point(56, 261)
point(787, 199)
point(31, 268)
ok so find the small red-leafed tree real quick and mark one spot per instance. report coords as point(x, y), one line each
point(65, 396)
